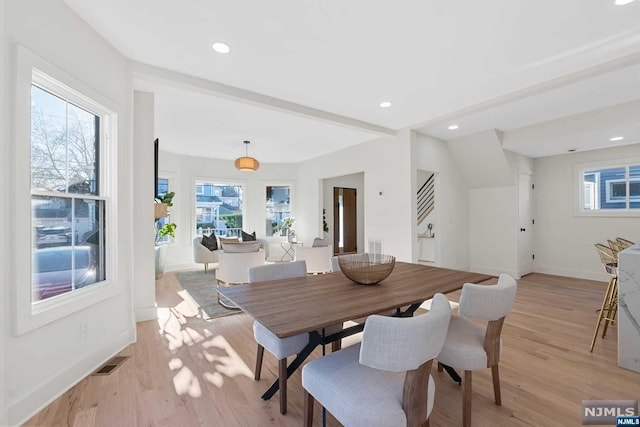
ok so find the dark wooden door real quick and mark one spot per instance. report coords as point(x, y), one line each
point(345, 222)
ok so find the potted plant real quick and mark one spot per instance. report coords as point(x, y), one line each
point(287, 223)
point(163, 229)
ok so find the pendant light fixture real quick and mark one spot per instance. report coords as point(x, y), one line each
point(246, 163)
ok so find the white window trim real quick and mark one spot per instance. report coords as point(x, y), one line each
point(578, 193)
point(32, 68)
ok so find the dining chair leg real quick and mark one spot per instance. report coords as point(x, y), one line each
point(440, 368)
point(259, 357)
point(308, 409)
point(282, 378)
point(466, 400)
point(336, 345)
point(496, 385)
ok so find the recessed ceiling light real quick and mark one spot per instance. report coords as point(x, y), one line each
point(453, 127)
point(616, 138)
point(621, 2)
point(385, 104)
point(221, 47)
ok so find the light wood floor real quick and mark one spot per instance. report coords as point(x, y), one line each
point(185, 371)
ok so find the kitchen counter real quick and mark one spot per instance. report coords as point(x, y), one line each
point(629, 308)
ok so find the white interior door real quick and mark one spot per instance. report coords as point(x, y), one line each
point(525, 221)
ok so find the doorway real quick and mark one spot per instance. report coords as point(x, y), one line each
point(525, 219)
point(345, 221)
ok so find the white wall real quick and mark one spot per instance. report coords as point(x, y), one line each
point(386, 165)
point(490, 173)
point(350, 181)
point(4, 216)
point(451, 222)
point(564, 242)
point(482, 160)
point(183, 171)
point(144, 285)
point(48, 360)
point(493, 220)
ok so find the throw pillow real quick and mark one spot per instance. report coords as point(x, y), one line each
point(246, 237)
point(241, 247)
point(209, 242)
point(224, 240)
point(318, 243)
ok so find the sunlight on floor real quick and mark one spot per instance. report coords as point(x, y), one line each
point(184, 382)
point(228, 363)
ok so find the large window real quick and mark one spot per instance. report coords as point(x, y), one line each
point(278, 207)
point(67, 204)
point(612, 189)
point(218, 208)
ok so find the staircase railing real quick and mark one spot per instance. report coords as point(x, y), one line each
point(426, 199)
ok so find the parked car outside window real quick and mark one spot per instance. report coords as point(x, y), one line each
point(61, 269)
point(53, 236)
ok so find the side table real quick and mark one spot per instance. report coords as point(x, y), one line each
point(289, 250)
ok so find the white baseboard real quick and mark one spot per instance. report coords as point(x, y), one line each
point(27, 406)
point(578, 274)
point(146, 313)
point(492, 271)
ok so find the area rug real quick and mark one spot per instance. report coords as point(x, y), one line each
point(201, 287)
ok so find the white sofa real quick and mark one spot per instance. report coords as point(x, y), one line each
point(318, 258)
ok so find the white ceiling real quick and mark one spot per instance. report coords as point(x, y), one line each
point(305, 77)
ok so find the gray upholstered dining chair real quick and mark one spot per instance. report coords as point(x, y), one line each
point(281, 348)
point(471, 346)
point(385, 380)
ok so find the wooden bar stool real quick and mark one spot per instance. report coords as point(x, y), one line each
point(609, 308)
point(623, 243)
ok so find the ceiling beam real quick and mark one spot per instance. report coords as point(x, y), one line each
point(197, 84)
point(535, 89)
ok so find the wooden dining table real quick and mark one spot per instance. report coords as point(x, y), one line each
point(308, 304)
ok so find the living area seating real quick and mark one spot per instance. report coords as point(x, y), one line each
point(471, 346)
point(202, 255)
point(318, 258)
point(233, 269)
point(385, 380)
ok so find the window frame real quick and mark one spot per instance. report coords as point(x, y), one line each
point(30, 68)
point(579, 199)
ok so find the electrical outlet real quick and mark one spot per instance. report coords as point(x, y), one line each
point(84, 330)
